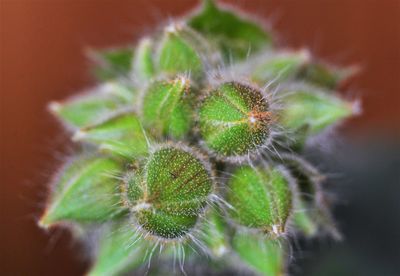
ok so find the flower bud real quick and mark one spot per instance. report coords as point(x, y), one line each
point(235, 120)
point(167, 196)
point(261, 198)
point(165, 108)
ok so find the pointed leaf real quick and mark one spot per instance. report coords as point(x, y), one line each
point(143, 68)
point(91, 107)
point(122, 90)
point(213, 234)
point(236, 36)
point(260, 254)
point(310, 107)
point(304, 219)
point(276, 66)
point(122, 134)
point(311, 214)
point(165, 108)
point(323, 75)
point(86, 191)
point(120, 250)
point(112, 63)
point(178, 52)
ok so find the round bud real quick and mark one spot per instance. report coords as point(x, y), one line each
point(167, 196)
point(234, 120)
point(261, 198)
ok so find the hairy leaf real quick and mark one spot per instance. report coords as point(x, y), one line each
point(236, 36)
point(122, 135)
point(86, 191)
point(260, 254)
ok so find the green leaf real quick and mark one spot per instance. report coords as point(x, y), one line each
point(261, 198)
point(276, 66)
point(178, 52)
point(122, 135)
point(143, 68)
point(86, 191)
point(122, 90)
point(323, 75)
point(112, 63)
point(235, 35)
point(91, 107)
point(120, 250)
point(304, 218)
point(165, 108)
point(213, 234)
point(311, 214)
point(260, 254)
point(167, 197)
point(234, 120)
point(318, 110)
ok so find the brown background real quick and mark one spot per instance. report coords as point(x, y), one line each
point(41, 58)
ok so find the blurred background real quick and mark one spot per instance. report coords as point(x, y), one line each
point(42, 44)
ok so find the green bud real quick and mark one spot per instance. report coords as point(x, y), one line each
point(86, 190)
point(112, 63)
point(235, 120)
point(261, 198)
point(120, 249)
point(260, 254)
point(143, 67)
point(122, 135)
point(236, 36)
point(165, 108)
point(92, 107)
point(168, 195)
point(179, 52)
point(318, 110)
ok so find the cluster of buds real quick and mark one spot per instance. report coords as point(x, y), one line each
point(190, 147)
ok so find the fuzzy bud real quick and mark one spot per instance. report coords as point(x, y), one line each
point(165, 108)
point(235, 120)
point(168, 195)
point(261, 199)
